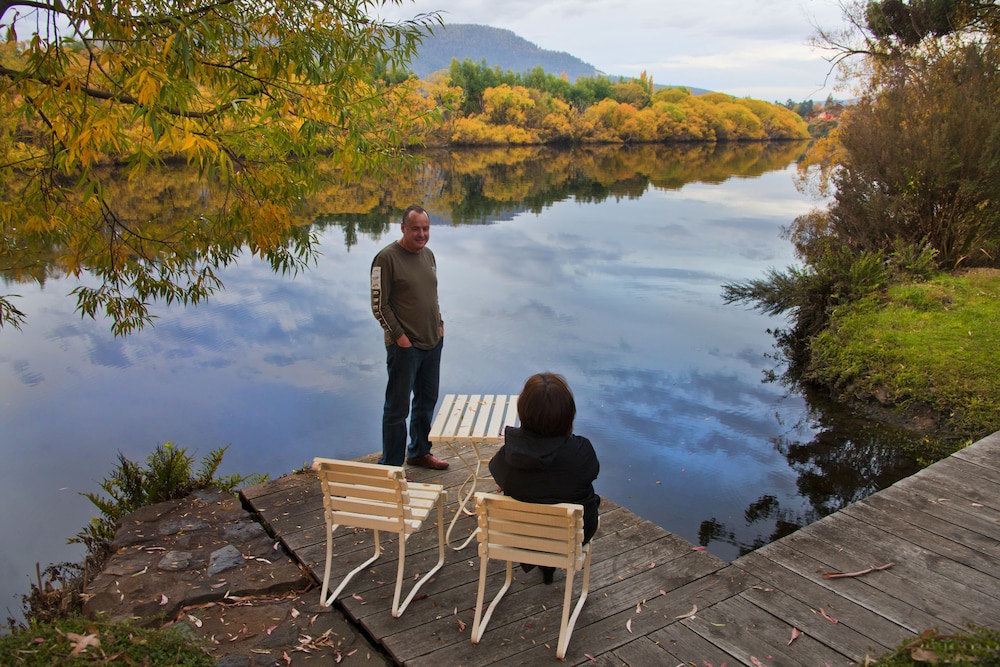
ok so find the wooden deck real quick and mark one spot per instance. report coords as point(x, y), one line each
point(654, 600)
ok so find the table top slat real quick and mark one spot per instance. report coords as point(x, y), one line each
point(455, 416)
point(464, 429)
point(483, 416)
point(511, 419)
point(494, 430)
point(437, 428)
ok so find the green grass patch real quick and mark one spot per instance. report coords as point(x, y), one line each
point(978, 646)
point(76, 641)
point(930, 343)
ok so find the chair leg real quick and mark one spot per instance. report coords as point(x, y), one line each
point(479, 624)
point(566, 629)
point(327, 601)
point(398, 609)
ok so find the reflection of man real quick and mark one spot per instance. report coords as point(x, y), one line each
point(405, 303)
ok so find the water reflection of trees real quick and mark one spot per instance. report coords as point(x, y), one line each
point(848, 459)
point(177, 208)
point(483, 186)
point(461, 187)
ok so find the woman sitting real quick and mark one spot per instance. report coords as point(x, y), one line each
point(543, 461)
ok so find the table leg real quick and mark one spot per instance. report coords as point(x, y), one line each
point(465, 493)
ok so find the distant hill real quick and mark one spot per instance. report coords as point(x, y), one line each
point(500, 48)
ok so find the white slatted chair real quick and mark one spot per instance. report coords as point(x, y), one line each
point(544, 535)
point(376, 497)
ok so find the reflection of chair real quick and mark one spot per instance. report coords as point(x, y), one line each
point(546, 535)
point(368, 495)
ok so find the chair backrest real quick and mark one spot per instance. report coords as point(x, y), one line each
point(548, 535)
point(365, 495)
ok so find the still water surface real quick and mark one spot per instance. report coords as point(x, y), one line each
point(611, 277)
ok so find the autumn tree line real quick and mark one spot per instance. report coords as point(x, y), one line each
point(481, 105)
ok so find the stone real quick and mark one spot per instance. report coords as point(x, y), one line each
point(181, 525)
point(224, 559)
point(244, 531)
point(176, 561)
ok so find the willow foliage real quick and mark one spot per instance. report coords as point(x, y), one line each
point(248, 92)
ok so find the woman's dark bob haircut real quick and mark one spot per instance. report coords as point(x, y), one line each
point(546, 406)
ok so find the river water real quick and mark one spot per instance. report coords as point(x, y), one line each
point(605, 266)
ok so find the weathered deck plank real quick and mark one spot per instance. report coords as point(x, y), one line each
point(656, 599)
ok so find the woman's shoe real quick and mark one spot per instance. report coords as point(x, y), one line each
point(548, 573)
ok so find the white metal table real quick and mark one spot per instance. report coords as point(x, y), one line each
point(474, 420)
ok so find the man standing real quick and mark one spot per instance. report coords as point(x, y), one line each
point(405, 303)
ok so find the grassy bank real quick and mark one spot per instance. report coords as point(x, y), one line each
point(928, 349)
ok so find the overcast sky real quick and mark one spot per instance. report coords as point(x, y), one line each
point(747, 48)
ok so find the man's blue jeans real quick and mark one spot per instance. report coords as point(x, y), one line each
point(415, 372)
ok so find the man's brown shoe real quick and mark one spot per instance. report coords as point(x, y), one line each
point(428, 461)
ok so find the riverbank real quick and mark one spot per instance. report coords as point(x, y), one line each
point(922, 356)
point(206, 565)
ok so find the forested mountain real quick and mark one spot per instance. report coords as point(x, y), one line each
point(504, 49)
point(498, 47)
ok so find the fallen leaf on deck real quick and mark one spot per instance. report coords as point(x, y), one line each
point(142, 571)
point(697, 548)
point(215, 586)
point(827, 616)
point(628, 625)
point(356, 596)
point(461, 625)
point(756, 662)
point(295, 612)
point(284, 656)
point(795, 635)
point(924, 655)
point(195, 620)
point(271, 629)
point(694, 610)
point(977, 504)
point(163, 599)
point(589, 657)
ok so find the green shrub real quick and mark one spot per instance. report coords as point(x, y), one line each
point(76, 641)
point(168, 474)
